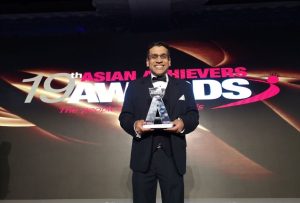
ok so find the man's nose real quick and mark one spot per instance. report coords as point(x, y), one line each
point(159, 60)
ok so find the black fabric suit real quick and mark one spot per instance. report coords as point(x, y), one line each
point(135, 107)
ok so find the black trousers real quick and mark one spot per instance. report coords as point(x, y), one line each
point(163, 170)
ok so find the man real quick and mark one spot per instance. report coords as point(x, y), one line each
point(159, 155)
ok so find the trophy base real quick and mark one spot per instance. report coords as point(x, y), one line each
point(158, 126)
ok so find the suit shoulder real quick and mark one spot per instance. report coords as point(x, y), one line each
point(134, 82)
point(182, 82)
point(135, 85)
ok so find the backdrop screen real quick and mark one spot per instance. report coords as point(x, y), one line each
point(61, 97)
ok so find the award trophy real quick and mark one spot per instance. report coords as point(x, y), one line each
point(157, 107)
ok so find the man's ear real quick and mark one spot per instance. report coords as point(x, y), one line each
point(147, 62)
point(170, 62)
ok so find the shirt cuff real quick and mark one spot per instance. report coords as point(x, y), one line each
point(183, 123)
point(137, 135)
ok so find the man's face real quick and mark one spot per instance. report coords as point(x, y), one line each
point(158, 60)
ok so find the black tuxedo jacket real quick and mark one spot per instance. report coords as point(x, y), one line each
point(136, 106)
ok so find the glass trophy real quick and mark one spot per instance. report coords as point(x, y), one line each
point(157, 117)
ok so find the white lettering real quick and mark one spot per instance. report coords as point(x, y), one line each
point(243, 92)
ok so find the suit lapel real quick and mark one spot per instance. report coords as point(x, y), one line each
point(147, 83)
point(170, 96)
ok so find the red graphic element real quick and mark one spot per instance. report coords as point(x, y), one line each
point(200, 106)
point(270, 92)
point(208, 52)
point(272, 79)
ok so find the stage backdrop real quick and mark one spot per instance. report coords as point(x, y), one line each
point(61, 96)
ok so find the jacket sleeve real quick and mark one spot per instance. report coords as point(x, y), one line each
point(127, 115)
point(191, 116)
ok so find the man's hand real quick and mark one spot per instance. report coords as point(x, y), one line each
point(138, 127)
point(178, 126)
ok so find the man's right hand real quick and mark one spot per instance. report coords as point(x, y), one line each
point(138, 127)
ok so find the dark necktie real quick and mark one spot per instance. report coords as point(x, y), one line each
point(159, 78)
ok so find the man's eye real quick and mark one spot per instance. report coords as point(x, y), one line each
point(155, 56)
point(163, 56)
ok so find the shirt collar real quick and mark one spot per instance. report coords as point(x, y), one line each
point(167, 77)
